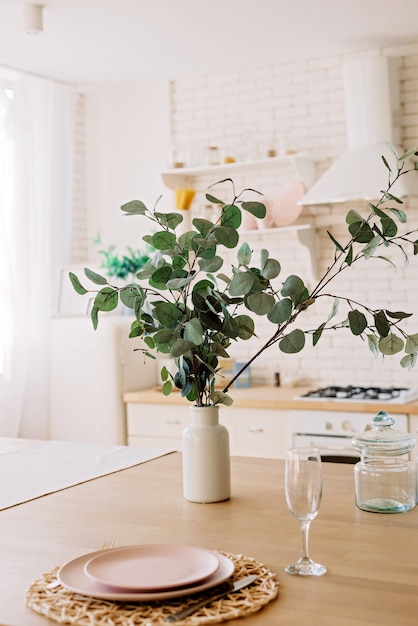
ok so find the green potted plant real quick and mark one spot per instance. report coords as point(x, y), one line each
point(188, 306)
point(123, 266)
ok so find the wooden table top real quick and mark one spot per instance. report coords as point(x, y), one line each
point(372, 559)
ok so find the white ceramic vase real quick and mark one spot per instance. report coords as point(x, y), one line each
point(206, 458)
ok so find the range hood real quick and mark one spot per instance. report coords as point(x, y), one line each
point(372, 108)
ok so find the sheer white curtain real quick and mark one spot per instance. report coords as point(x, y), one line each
point(36, 196)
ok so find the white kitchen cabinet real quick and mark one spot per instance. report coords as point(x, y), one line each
point(257, 432)
point(156, 424)
point(253, 432)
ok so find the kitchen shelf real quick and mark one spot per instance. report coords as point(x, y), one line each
point(302, 165)
point(306, 234)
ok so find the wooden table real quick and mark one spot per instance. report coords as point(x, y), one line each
point(372, 559)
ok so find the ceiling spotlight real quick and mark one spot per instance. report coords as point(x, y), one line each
point(33, 19)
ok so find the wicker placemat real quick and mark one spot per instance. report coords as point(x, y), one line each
point(66, 607)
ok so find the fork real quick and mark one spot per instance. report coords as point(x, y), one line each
point(106, 545)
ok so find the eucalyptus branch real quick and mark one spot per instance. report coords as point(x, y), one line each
point(182, 311)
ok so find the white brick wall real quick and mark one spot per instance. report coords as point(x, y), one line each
point(301, 106)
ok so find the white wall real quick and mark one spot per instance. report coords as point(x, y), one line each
point(127, 145)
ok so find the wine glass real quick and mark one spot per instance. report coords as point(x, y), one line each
point(303, 486)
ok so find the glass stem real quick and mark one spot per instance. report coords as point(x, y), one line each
point(304, 526)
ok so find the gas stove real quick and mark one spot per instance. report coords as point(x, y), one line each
point(352, 393)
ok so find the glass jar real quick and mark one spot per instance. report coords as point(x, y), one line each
point(385, 479)
point(213, 155)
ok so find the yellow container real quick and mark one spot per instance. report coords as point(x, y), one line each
point(184, 198)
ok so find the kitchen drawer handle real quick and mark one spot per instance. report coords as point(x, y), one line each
point(172, 421)
point(256, 430)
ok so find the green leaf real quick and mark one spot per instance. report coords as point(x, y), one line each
point(357, 321)
point(218, 397)
point(397, 315)
point(377, 211)
point(391, 344)
point(349, 258)
point(179, 283)
point(335, 242)
point(231, 216)
point(211, 265)
point(147, 239)
point(361, 232)
point(353, 217)
point(212, 199)
point(94, 277)
point(216, 349)
point(389, 228)
point(180, 346)
point(389, 196)
point(292, 286)
point(227, 236)
point(241, 283)
point(132, 295)
point(411, 343)
point(107, 299)
point(167, 388)
point(203, 285)
point(150, 342)
point(382, 324)
point(369, 250)
point(164, 336)
point(185, 240)
point(162, 275)
point(334, 310)
point(270, 269)
point(317, 334)
point(167, 314)
point(245, 326)
point(77, 285)
point(260, 303)
point(281, 311)
point(170, 220)
point(94, 316)
point(193, 332)
point(244, 254)
point(211, 320)
point(386, 163)
point(134, 207)
point(401, 215)
point(202, 226)
point(163, 240)
point(373, 344)
point(293, 342)
point(409, 361)
point(258, 209)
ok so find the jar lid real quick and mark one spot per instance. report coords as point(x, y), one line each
point(382, 438)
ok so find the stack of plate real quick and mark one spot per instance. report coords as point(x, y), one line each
point(145, 572)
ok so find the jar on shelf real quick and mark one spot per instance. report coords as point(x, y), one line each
point(213, 155)
point(385, 479)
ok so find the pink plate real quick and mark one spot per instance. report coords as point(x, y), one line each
point(152, 567)
point(73, 577)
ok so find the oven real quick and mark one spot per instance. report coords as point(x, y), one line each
point(332, 431)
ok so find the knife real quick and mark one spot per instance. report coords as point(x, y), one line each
point(229, 588)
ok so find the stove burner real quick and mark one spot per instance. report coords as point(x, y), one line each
point(351, 392)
